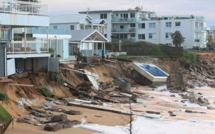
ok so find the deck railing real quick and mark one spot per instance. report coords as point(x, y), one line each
point(20, 7)
point(22, 47)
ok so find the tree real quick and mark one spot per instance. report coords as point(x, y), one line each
point(210, 43)
point(177, 38)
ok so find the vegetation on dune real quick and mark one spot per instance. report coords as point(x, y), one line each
point(46, 92)
point(4, 115)
point(188, 57)
point(3, 96)
point(55, 77)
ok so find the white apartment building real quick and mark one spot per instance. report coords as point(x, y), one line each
point(135, 25)
point(22, 51)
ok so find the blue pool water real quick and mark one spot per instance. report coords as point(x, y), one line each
point(153, 70)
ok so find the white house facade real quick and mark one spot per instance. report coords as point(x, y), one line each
point(138, 25)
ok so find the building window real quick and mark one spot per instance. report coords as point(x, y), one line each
point(177, 24)
point(152, 35)
point(72, 27)
point(141, 36)
point(55, 27)
point(132, 15)
point(125, 15)
point(103, 16)
point(121, 26)
point(168, 35)
point(132, 25)
point(105, 35)
point(152, 25)
point(142, 25)
point(168, 24)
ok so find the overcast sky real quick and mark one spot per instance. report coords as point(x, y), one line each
point(161, 7)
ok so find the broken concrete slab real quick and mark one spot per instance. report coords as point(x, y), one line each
point(93, 78)
point(57, 118)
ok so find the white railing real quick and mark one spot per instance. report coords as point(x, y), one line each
point(19, 7)
point(22, 47)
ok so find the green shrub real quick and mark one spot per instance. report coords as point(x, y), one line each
point(188, 57)
point(55, 77)
point(46, 92)
point(3, 96)
point(4, 115)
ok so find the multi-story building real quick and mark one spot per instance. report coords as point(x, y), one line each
point(138, 25)
point(23, 51)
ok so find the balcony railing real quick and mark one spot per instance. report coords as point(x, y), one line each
point(200, 29)
point(19, 7)
point(123, 30)
point(30, 47)
point(93, 52)
point(130, 20)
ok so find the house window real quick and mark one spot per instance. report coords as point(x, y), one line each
point(103, 16)
point(55, 27)
point(152, 35)
point(142, 25)
point(168, 24)
point(132, 25)
point(72, 27)
point(132, 15)
point(141, 36)
point(177, 24)
point(121, 26)
point(152, 25)
point(168, 35)
point(116, 14)
point(105, 35)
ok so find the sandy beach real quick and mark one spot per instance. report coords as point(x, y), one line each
point(159, 101)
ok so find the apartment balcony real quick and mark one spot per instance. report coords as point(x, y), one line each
point(200, 29)
point(18, 13)
point(28, 49)
point(123, 30)
point(123, 20)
